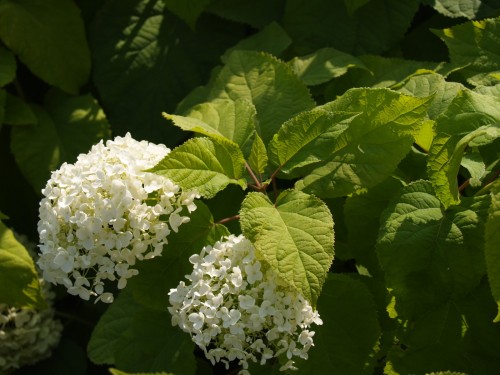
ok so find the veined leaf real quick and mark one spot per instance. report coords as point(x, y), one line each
point(466, 118)
point(323, 65)
point(471, 9)
point(474, 44)
point(294, 237)
point(7, 66)
point(474, 164)
point(429, 255)
point(258, 155)
point(234, 120)
point(205, 165)
point(18, 278)
point(49, 37)
point(40, 149)
point(492, 245)
point(368, 150)
point(268, 83)
point(137, 338)
point(307, 139)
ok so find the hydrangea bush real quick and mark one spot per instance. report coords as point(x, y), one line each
point(237, 309)
point(105, 212)
point(305, 186)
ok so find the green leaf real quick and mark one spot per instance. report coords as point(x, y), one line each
point(136, 338)
point(323, 65)
point(471, 9)
point(373, 28)
point(234, 120)
point(145, 60)
point(205, 165)
point(474, 164)
point(257, 13)
point(40, 149)
point(294, 236)
point(474, 44)
point(268, 83)
point(49, 37)
point(307, 139)
point(3, 100)
point(429, 255)
point(258, 155)
point(17, 112)
point(7, 66)
point(344, 344)
point(157, 276)
point(492, 245)
point(271, 39)
point(353, 5)
point(188, 10)
point(466, 118)
point(370, 148)
point(115, 371)
point(19, 286)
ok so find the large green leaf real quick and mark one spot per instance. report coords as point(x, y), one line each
point(373, 28)
point(323, 65)
point(40, 149)
point(471, 9)
point(294, 236)
point(234, 120)
point(49, 37)
point(307, 139)
point(188, 10)
point(19, 286)
point(136, 338)
point(345, 343)
point(370, 148)
point(3, 102)
point(205, 165)
point(18, 112)
point(267, 82)
point(475, 44)
point(7, 66)
point(464, 120)
point(145, 60)
point(492, 245)
point(158, 275)
point(430, 256)
point(257, 13)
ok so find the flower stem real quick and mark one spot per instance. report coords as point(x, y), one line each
point(227, 219)
point(258, 184)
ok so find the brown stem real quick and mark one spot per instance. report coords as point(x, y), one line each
point(464, 185)
point(254, 177)
point(227, 219)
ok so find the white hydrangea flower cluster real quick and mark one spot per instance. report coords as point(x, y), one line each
point(27, 335)
point(236, 309)
point(104, 212)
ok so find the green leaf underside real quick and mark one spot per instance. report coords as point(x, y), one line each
point(369, 149)
point(136, 338)
point(344, 343)
point(271, 39)
point(492, 245)
point(262, 79)
point(462, 121)
point(7, 66)
point(40, 149)
point(49, 37)
point(324, 65)
point(205, 165)
point(234, 120)
point(294, 237)
point(150, 286)
point(430, 256)
point(476, 46)
point(19, 279)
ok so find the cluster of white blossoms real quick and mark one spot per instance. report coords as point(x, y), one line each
point(236, 309)
point(28, 335)
point(104, 212)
